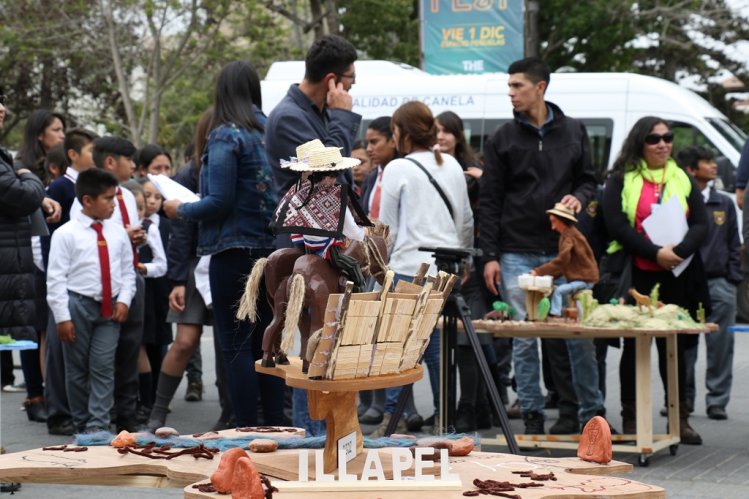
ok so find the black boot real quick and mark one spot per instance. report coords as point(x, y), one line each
point(565, 425)
point(688, 435)
point(534, 423)
point(35, 409)
point(465, 419)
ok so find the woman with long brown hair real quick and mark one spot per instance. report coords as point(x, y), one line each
point(425, 203)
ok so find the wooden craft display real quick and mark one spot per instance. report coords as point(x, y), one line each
point(375, 334)
point(575, 478)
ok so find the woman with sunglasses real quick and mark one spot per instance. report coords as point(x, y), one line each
point(643, 178)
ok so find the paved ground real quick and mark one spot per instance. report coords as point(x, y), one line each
point(717, 469)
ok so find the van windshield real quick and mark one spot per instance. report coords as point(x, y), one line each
point(733, 134)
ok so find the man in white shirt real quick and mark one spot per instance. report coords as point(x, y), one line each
point(90, 286)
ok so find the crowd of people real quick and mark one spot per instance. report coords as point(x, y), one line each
point(97, 266)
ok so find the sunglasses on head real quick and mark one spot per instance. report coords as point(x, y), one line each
point(654, 138)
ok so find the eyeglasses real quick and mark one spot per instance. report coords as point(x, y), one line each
point(653, 138)
point(3, 98)
point(352, 76)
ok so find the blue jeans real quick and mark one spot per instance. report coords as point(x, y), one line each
point(300, 415)
point(432, 359)
point(562, 291)
point(241, 341)
point(719, 374)
point(584, 365)
point(89, 364)
point(524, 350)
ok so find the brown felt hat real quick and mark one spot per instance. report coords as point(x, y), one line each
point(562, 211)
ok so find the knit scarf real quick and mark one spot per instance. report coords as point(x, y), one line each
point(675, 183)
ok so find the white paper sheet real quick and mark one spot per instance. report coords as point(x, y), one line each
point(668, 225)
point(173, 190)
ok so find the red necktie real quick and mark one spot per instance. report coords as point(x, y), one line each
point(126, 220)
point(374, 211)
point(106, 278)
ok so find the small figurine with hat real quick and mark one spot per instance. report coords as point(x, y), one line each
point(320, 213)
point(575, 260)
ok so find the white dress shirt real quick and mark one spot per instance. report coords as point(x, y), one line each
point(74, 264)
point(157, 267)
point(127, 197)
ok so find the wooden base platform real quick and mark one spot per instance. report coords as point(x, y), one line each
point(575, 479)
point(335, 401)
point(103, 465)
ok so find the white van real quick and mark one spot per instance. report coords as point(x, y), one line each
point(608, 103)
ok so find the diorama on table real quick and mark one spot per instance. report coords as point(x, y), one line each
point(576, 263)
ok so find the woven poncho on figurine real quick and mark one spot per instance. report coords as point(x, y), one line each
point(320, 213)
point(575, 261)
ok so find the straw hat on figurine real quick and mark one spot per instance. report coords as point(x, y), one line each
point(324, 159)
point(562, 211)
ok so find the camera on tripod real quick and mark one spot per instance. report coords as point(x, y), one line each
point(451, 260)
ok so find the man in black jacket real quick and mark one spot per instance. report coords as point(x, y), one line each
point(540, 158)
point(721, 257)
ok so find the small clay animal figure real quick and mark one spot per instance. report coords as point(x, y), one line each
point(641, 300)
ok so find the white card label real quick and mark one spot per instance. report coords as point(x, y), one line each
point(347, 446)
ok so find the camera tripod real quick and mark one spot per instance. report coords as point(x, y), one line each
point(456, 309)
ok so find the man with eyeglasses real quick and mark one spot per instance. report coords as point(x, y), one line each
point(540, 158)
point(317, 108)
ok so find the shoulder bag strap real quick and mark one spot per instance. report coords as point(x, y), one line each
point(436, 186)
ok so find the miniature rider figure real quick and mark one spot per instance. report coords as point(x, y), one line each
point(321, 214)
point(575, 260)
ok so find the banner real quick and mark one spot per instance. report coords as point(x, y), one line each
point(471, 36)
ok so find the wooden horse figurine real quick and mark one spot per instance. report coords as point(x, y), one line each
point(314, 279)
point(277, 271)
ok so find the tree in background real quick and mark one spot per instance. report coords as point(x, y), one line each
point(670, 39)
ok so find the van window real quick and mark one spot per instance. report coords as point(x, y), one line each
point(733, 134)
point(685, 135)
point(599, 133)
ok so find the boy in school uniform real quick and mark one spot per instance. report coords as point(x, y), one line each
point(90, 285)
point(78, 149)
point(115, 155)
point(721, 257)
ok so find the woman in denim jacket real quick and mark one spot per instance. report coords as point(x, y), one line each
point(233, 215)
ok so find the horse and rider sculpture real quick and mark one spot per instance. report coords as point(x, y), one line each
point(334, 243)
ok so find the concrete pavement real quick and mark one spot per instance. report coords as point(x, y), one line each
point(717, 469)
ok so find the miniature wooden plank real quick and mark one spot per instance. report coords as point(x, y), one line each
point(407, 287)
point(319, 365)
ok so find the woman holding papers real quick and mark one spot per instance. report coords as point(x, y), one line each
point(233, 215)
point(643, 180)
